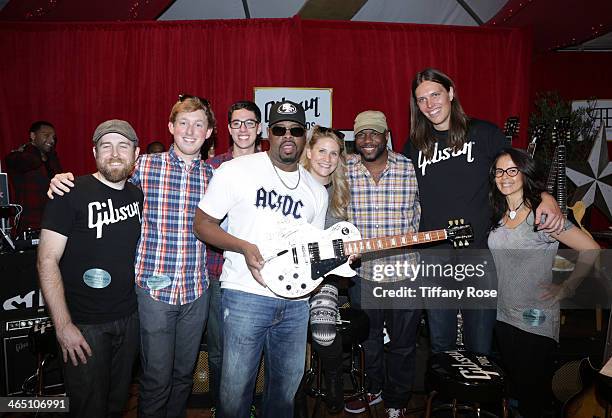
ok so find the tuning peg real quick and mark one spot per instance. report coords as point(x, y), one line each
point(450, 222)
point(466, 243)
point(455, 244)
point(461, 221)
point(461, 243)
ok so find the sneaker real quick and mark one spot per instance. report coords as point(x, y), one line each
point(396, 413)
point(253, 412)
point(357, 406)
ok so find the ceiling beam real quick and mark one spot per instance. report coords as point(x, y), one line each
point(331, 9)
point(470, 11)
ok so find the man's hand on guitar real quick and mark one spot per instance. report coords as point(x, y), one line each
point(60, 183)
point(254, 261)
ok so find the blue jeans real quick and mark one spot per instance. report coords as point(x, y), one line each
point(99, 388)
point(170, 338)
point(477, 329)
point(214, 340)
point(252, 323)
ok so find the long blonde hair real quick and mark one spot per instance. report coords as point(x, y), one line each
point(340, 195)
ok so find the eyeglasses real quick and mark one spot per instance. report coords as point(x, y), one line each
point(249, 123)
point(511, 171)
point(371, 134)
point(325, 130)
point(296, 131)
point(183, 97)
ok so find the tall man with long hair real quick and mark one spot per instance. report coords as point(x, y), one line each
point(452, 154)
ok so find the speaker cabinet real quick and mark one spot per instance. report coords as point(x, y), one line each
point(19, 364)
point(201, 376)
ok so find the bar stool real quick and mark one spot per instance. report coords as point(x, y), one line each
point(468, 380)
point(353, 327)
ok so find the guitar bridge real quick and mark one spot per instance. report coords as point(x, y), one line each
point(313, 251)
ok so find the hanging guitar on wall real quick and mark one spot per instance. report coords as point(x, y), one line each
point(511, 129)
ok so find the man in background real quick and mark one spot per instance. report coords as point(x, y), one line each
point(244, 126)
point(29, 168)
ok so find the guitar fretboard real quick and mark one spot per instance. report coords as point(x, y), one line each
point(395, 241)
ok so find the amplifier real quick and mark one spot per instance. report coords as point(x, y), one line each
point(20, 364)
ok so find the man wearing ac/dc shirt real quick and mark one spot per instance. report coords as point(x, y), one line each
point(86, 268)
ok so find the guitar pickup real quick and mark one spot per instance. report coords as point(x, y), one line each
point(338, 246)
point(295, 256)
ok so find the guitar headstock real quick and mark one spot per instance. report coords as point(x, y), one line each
point(459, 233)
point(562, 130)
point(536, 135)
point(511, 128)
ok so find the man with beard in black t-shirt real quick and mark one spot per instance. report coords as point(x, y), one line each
point(452, 155)
point(86, 268)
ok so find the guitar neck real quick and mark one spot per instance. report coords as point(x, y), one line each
point(552, 174)
point(395, 241)
point(561, 194)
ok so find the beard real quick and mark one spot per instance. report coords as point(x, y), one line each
point(115, 174)
point(380, 149)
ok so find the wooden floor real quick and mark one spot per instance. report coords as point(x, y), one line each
point(416, 406)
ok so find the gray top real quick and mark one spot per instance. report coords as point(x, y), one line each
point(330, 219)
point(524, 260)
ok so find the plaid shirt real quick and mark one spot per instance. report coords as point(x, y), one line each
point(214, 255)
point(168, 249)
point(30, 177)
point(389, 207)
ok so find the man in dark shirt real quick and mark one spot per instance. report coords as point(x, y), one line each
point(86, 269)
point(30, 167)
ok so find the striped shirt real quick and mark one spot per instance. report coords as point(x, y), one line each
point(389, 207)
point(171, 261)
point(214, 255)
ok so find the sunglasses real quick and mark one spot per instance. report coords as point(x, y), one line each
point(183, 97)
point(296, 131)
point(325, 130)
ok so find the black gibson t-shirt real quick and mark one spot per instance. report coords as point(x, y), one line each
point(455, 185)
point(103, 227)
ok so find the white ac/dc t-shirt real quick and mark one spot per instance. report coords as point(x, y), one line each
point(259, 207)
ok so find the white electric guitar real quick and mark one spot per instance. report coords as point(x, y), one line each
point(297, 263)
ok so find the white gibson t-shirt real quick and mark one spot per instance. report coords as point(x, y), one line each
point(259, 207)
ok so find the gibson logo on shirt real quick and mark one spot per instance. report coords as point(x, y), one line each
point(104, 213)
point(278, 203)
point(445, 154)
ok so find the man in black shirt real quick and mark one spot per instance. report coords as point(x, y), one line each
point(452, 155)
point(86, 268)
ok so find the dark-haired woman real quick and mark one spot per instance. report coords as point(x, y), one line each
point(528, 303)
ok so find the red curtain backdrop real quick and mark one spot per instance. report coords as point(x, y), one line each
point(77, 75)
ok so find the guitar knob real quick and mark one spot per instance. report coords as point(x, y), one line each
point(281, 277)
point(295, 275)
point(288, 287)
point(303, 286)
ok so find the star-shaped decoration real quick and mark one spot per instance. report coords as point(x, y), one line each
point(593, 179)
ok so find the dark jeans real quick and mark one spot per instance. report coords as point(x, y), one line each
point(478, 327)
point(214, 340)
point(99, 388)
point(393, 372)
point(170, 338)
point(527, 361)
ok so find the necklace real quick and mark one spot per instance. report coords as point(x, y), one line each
point(512, 213)
point(285, 184)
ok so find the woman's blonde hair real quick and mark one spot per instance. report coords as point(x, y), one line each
point(340, 195)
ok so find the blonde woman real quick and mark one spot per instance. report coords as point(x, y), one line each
point(325, 158)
